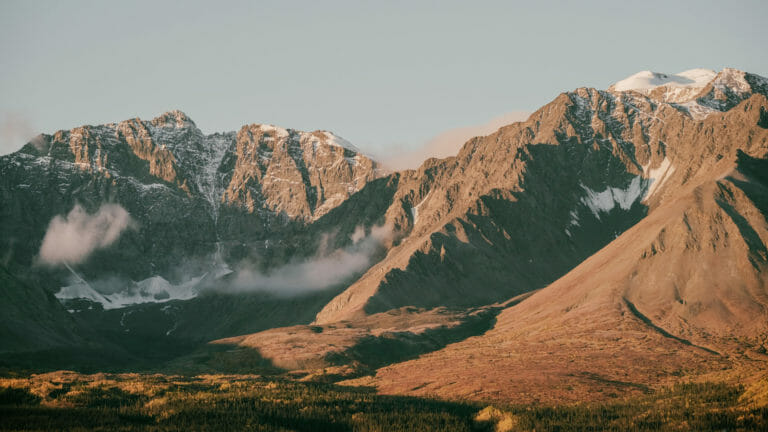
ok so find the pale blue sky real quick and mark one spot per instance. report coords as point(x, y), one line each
point(385, 75)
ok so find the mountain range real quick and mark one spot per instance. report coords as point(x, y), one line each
point(613, 242)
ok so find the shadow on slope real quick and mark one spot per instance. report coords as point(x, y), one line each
point(350, 349)
point(374, 351)
point(515, 241)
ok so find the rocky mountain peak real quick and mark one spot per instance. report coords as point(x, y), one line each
point(174, 118)
point(665, 87)
point(624, 153)
point(264, 177)
point(732, 78)
point(636, 214)
point(335, 140)
point(272, 131)
point(697, 92)
point(273, 164)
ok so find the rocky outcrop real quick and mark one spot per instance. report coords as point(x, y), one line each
point(682, 293)
point(517, 209)
point(301, 175)
point(176, 182)
point(664, 179)
point(199, 204)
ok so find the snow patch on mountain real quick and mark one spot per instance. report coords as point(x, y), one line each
point(275, 131)
point(607, 200)
point(697, 110)
point(151, 290)
point(415, 209)
point(639, 189)
point(209, 180)
point(81, 290)
point(338, 141)
point(646, 81)
point(657, 176)
point(698, 92)
point(574, 218)
point(733, 80)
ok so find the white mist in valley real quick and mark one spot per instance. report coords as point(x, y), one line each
point(321, 271)
point(324, 269)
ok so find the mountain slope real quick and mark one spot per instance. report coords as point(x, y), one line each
point(517, 209)
point(194, 197)
point(626, 225)
point(683, 293)
point(199, 207)
point(32, 319)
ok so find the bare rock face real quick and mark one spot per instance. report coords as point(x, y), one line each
point(298, 174)
point(681, 293)
point(636, 227)
point(199, 205)
point(517, 209)
point(630, 225)
point(176, 182)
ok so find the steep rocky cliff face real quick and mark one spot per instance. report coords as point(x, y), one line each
point(517, 209)
point(682, 293)
point(199, 204)
point(635, 221)
point(637, 215)
point(301, 175)
point(187, 191)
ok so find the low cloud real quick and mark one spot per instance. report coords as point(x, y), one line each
point(73, 238)
point(449, 143)
point(15, 131)
point(319, 272)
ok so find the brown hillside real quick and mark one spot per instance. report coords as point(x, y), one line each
point(684, 293)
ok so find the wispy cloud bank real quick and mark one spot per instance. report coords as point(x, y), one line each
point(319, 272)
point(449, 142)
point(15, 131)
point(73, 238)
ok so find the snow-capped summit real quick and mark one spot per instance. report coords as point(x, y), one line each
point(734, 80)
point(699, 92)
point(273, 130)
point(671, 88)
point(338, 141)
point(647, 81)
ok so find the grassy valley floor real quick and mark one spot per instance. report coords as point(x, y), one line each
point(71, 401)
